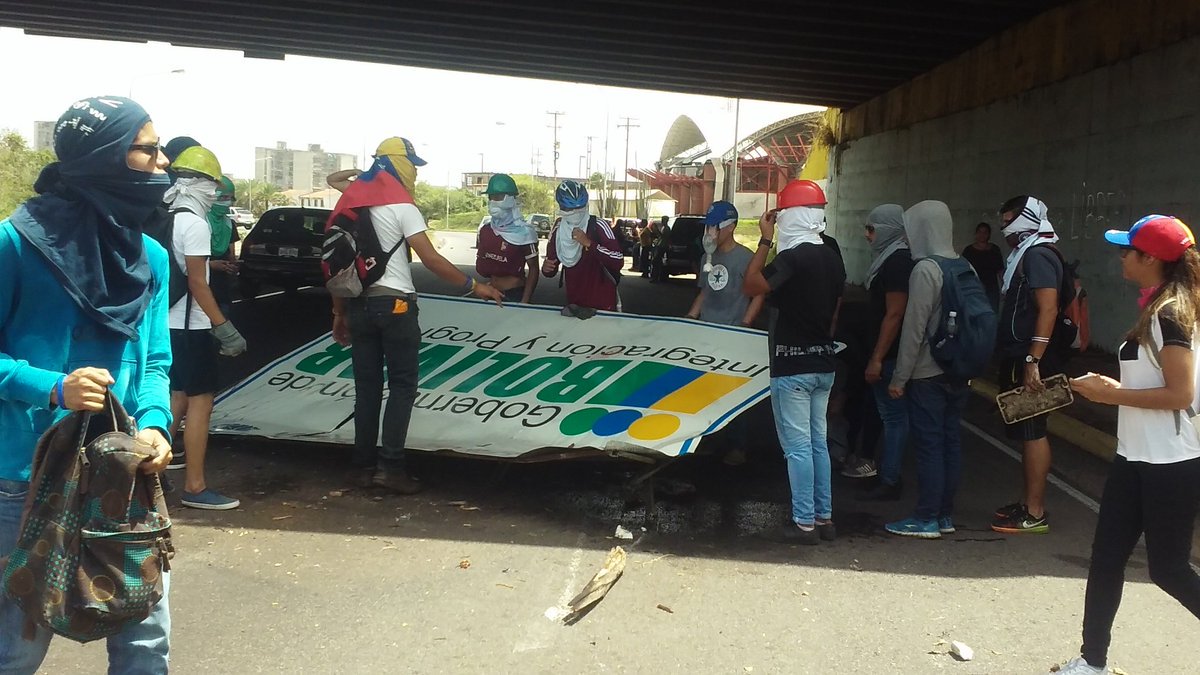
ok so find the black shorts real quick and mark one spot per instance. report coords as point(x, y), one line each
point(193, 362)
point(1012, 374)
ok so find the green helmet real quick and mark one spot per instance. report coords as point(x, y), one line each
point(226, 189)
point(501, 184)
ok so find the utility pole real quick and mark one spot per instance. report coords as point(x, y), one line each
point(556, 115)
point(537, 162)
point(625, 173)
point(589, 156)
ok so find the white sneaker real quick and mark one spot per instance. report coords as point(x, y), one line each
point(1081, 667)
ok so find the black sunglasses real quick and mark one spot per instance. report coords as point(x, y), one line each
point(151, 149)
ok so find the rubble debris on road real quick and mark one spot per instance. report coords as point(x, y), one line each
point(666, 609)
point(464, 564)
point(623, 533)
point(961, 651)
point(598, 586)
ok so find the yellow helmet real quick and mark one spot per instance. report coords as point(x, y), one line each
point(198, 160)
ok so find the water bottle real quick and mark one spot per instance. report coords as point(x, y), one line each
point(952, 324)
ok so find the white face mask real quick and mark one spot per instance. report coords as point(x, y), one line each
point(575, 219)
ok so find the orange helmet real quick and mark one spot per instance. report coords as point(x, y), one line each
point(800, 193)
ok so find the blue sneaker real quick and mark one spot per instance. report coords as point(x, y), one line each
point(209, 500)
point(946, 525)
point(915, 527)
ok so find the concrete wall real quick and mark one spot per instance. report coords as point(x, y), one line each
point(1101, 149)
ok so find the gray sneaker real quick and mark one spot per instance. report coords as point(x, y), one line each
point(861, 469)
point(1081, 667)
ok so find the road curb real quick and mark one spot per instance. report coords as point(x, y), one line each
point(1064, 426)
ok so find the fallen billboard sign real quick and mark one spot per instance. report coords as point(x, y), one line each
point(507, 381)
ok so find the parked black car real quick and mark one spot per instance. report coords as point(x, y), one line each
point(283, 250)
point(541, 223)
point(682, 247)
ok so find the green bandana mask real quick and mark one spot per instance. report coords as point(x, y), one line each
point(218, 219)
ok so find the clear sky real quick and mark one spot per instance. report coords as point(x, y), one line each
point(232, 104)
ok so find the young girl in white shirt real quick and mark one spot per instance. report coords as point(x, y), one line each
point(1153, 487)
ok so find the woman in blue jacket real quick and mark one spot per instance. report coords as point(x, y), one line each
point(83, 309)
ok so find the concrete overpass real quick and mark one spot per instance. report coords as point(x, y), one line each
point(1090, 104)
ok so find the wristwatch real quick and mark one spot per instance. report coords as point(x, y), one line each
point(1030, 358)
point(765, 242)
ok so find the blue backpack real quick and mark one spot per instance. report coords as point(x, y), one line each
point(966, 335)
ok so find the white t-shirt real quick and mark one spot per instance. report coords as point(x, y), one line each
point(192, 237)
point(1150, 435)
point(393, 221)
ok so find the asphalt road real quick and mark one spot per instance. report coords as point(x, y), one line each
point(310, 576)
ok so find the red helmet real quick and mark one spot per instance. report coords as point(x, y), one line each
point(800, 193)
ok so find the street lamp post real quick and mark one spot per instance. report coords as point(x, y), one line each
point(176, 71)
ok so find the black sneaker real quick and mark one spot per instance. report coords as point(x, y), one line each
point(178, 460)
point(1022, 523)
point(794, 534)
point(396, 480)
point(882, 493)
point(362, 477)
point(1010, 510)
point(826, 530)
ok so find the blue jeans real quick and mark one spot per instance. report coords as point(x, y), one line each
point(894, 415)
point(935, 408)
point(383, 341)
point(141, 649)
point(800, 403)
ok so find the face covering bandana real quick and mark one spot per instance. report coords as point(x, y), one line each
point(800, 225)
point(1031, 222)
point(709, 242)
point(569, 250)
point(508, 223)
point(221, 225)
point(87, 217)
point(888, 221)
point(1144, 296)
point(405, 171)
point(193, 194)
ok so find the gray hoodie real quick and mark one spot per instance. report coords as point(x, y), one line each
point(930, 231)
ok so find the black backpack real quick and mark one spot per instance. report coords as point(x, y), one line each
point(161, 228)
point(352, 258)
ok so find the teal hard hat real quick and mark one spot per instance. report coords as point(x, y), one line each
point(501, 184)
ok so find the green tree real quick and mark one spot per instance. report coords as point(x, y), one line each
point(537, 196)
point(19, 168)
point(258, 195)
point(431, 201)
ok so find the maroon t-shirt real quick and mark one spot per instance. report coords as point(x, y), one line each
point(591, 282)
point(495, 257)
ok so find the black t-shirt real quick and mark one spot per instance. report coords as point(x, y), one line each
point(988, 264)
point(891, 278)
point(1039, 268)
point(806, 282)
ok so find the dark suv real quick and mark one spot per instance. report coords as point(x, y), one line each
point(683, 246)
point(541, 223)
point(283, 250)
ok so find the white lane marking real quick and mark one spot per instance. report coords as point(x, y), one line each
point(260, 297)
point(540, 631)
point(1052, 479)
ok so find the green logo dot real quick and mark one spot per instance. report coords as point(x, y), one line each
point(581, 421)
